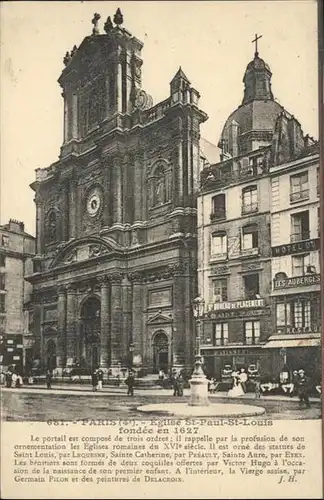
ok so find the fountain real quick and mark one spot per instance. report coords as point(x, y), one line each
point(199, 404)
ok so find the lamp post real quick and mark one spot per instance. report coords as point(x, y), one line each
point(198, 381)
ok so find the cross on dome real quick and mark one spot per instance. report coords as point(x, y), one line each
point(256, 53)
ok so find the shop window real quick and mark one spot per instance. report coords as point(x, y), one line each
point(251, 286)
point(300, 264)
point(249, 200)
point(299, 189)
point(301, 314)
point(300, 226)
point(220, 290)
point(220, 334)
point(218, 207)
point(294, 315)
point(251, 332)
point(218, 244)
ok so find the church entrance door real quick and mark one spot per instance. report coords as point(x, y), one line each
point(160, 352)
point(90, 317)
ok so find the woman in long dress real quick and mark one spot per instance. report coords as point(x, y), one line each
point(237, 389)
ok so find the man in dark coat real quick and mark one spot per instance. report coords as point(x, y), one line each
point(130, 382)
point(94, 380)
point(49, 379)
point(303, 388)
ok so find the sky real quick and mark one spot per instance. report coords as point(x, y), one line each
point(211, 41)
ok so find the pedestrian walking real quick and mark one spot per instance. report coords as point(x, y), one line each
point(14, 379)
point(257, 387)
point(8, 376)
point(130, 382)
point(243, 379)
point(303, 388)
point(94, 380)
point(49, 379)
point(100, 378)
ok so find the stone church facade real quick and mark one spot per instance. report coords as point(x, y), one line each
point(115, 267)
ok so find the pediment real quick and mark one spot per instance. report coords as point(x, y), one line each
point(159, 318)
point(84, 249)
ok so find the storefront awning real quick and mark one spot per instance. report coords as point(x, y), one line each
point(294, 342)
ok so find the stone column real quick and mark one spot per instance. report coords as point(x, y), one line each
point(71, 323)
point(127, 322)
point(138, 187)
point(119, 83)
point(105, 323)
point(61, 314)
point(137, 317)
point(107, 216)
point(65, 211)
point(74, 113)
point(39, 223)
point(116, 318)
point(179, 201)
point(66, 118)
point(72, 208)
point(117, 190)
point(179, 328)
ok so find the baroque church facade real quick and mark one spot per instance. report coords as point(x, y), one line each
point(115, 268)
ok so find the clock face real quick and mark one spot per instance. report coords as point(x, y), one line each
point(94, 202)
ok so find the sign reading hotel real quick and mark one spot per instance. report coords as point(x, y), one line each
point(312, 279)
point(301, 246)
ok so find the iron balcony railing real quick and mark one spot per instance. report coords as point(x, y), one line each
point(248, 209)
point(301, 236)
point(218, 214)
point(299, 196)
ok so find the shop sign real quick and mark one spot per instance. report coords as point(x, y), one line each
point(244, 313)
point(231, 352)
point(301, 246)
point(239, 304)
point(311, 279)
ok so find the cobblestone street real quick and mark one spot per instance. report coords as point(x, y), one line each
point(69, 403)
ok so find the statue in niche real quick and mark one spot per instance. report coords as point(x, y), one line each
point(51, 227)
point(159, 188)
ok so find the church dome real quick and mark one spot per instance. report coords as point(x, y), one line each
point(252, 124)
point(258, 63)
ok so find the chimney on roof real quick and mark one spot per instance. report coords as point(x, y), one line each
point(16, 225)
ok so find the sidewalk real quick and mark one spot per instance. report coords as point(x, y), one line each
point(86, 390)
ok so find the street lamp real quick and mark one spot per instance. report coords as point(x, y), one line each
point(198, 381)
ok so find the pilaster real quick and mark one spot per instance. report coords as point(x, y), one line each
point(105, 323)
point(61, 312)
point(39, 223)
point(117, 190)
point(116, 318)
point(71, 349)
point(137, 317)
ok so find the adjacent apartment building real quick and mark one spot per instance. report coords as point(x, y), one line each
point(263, 190)
point(295, 264)
point(17, 249)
